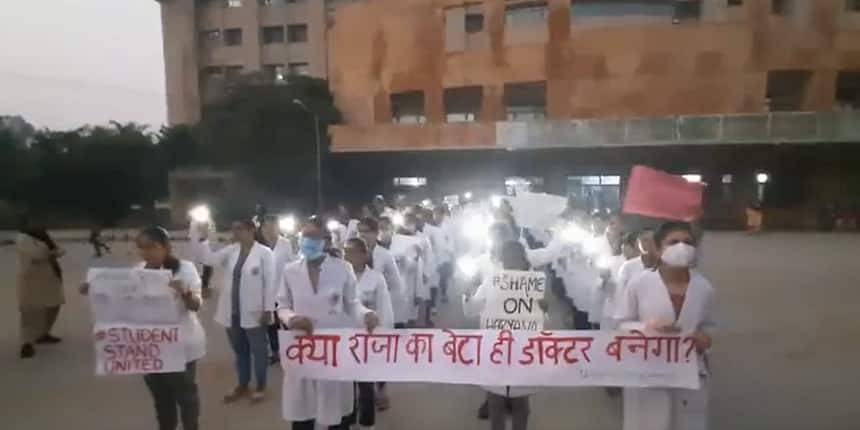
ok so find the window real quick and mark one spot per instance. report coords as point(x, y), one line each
point(275, 72)
point(693, 178)
point(233, 36)
point(408, 108)
point(525, 101)
point(297, 33)
point(662, 10)
point(595, 193)
point(232, 3)
point(274, 34)
point(232, 72)
point(474, 22)
point(781, 7)
point(462, 104)
point(786, 89)
point(212, 73)
point(299, 69)
point(414, 181)
point(735, 3)
point(727, 178)
point(848, 90)
point(526, 13)
point(210, 38)
point(268, 2)
point(852, 5)
point(687, 10)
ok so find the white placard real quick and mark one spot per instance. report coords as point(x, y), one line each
point(536, 210)
point(136, 296)
point(513, 301)
point(136, 349)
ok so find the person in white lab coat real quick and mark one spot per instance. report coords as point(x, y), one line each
point(318, 291)
point(383, 262)
point(500, 398)
point(673, 298)
point(442, 220)
point(372, 291)
point(648, 259)
point(407, 252)
point(246, 302)
point(176, 390)
point(269, 234)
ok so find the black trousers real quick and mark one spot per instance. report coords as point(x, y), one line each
point(311, 425)
point(175, 390)
point(365, 405)
point(273, 337)
point(206, 276)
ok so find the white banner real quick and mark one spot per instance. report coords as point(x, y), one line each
point(137, 322)
point(494, 357)
point(512, 302)
point(136, 349)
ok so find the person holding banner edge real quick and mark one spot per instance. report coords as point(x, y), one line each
point(319, 291)
point(502, 399)
point(672, 298)
point(246, 304)
point(176, 390)
point(372, 290)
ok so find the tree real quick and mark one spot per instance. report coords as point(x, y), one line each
point(178, 146)
point(256, 128)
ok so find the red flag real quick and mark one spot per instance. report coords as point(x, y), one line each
point(659, 194)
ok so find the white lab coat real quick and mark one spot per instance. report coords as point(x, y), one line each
point(333, 305)
point(383, 262)
point(257, 286)
point(667, 408)
point(372, 291)
point(284, 254)
point(428, 257)
point(441, 243)
point(629, 270)
point(607, 291)
point(352, 229)
point(473, 307)
point(407, 252)
point(191, 331)
point(580, 280)
point(338, 236)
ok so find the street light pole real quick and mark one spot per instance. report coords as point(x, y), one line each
point(316, 117)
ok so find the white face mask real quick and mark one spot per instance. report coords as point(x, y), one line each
point(679, 255)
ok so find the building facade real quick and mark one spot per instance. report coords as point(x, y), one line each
point(721, 90)
point(208, 42)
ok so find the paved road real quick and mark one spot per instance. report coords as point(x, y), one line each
point(786, 356)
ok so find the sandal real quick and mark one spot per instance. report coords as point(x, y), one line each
point(258, 396)
point(236, 394)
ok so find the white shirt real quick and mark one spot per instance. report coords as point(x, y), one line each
point(283, 253)
point(383, 262)
point(191, 330)
point(372, 292)
point(407, 252)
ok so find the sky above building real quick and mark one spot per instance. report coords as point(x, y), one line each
point(66, 63)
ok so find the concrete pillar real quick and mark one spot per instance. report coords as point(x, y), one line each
point(180, 61)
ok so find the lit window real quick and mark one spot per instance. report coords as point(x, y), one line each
point(693, 178)
point(590, 180)
point(414, 181)
point(233, 3)
point(233, 36)
point(299, 69)
point(297, 33)
point(727, 178)
point(610, 180)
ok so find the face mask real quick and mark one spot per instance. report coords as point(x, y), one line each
point(312, 249)
point(679, 255)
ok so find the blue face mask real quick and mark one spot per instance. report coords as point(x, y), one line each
point(312, 249)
